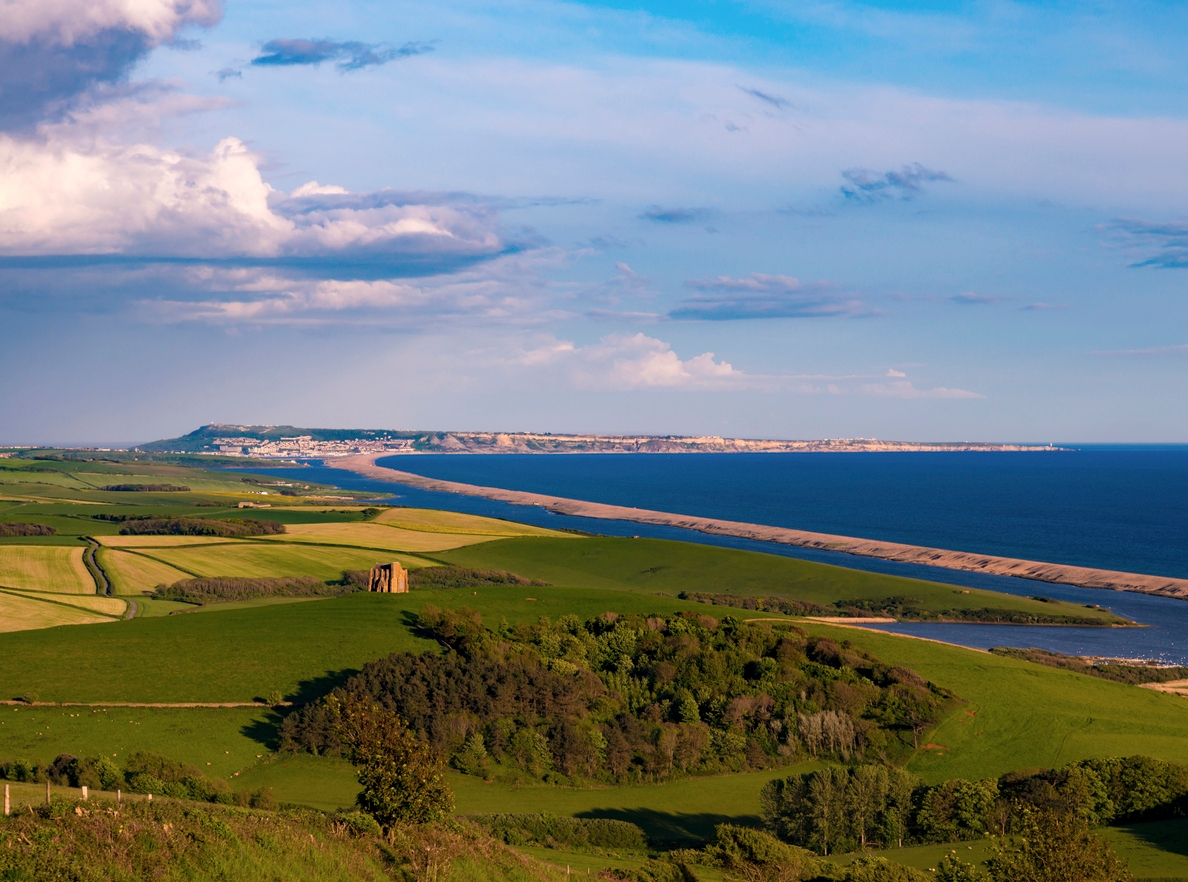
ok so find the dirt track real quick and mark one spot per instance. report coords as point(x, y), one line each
point(933, 557)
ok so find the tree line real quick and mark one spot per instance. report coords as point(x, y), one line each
point(633, 698)
point(22, 529)
point(146, 488)
point(840, 809)
point(189, 526)
point(224, 589)
point(897, 607)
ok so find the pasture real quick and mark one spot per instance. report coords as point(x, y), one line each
point(20, 612)
point(45, 568)
point(377, 536)
point(656, 565)
point(254, 559)
point(1020, 715)
point(134, 573)
point(428, 520)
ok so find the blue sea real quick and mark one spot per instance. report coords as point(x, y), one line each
point(1122, 508)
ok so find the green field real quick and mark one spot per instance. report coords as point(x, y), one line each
point(260, 560)
point(655, 565)
point(20, 612)
point(1019, 715)
point(44, 568)
point(134, 573)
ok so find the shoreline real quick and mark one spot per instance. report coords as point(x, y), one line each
point(1038, 571)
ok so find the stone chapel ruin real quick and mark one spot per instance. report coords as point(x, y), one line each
point(388, 578)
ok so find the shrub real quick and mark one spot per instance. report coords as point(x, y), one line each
point(552, 831)
point(153, 526)
point(225, 589)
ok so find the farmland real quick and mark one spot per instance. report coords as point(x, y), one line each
point(65, 643)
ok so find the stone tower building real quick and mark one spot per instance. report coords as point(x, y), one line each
point(389, 578)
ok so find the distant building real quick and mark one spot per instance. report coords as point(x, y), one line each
point(389, 578)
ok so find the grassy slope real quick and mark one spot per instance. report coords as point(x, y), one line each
point(20, 612)
point(1020, 715)
point(658, 565)
point(240, 654)
point(258, 559)
point(45, 568)
point(377, 536)
point(134, 573)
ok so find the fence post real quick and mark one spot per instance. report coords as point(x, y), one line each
point(84, 790)
point(47, 792)
point(7, 802)
point(119, 796)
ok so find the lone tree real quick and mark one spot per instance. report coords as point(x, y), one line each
point(1055, 847)
point(403, 782)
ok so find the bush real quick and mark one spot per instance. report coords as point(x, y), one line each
point(551, 831)
point(225, 589)
point(446, 578)
point(877, 869)
point(200, 527)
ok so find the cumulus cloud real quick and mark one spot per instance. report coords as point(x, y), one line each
point(626, 362)
point(866, 186)
point(52, 51)
point(761, 296)
point(57, 198)
point(350, 55)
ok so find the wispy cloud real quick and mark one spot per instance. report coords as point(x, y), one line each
point(760, 296)
point(866, 186)
point(767, 98)
point(969, 298)
point(902, 388)
point(349, 55)
point(676, 215)
point(1181, 349)
point(1157, 243)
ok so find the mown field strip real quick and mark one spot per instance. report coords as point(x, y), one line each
point(107, 606)
point(48, 568)
point(132, 573)
point(378, 536)
point(264, 560)
point(158, 541)
point(20, 612)
point(426, 520)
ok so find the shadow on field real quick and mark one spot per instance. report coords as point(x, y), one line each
point(309, 691)
point(264, 731)
point(1170, 835)
point(673, 827)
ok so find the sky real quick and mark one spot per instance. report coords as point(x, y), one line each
point(752, 218)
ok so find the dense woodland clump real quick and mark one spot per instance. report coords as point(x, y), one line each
point(840, 809)
point(20, 529)
point(898, 607)
point(224, 589)
point(229, 527)
point(634, 698)
point(1107, 669)
point(447, 578)
point(146, 488)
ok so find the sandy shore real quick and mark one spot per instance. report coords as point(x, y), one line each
point(933, 557)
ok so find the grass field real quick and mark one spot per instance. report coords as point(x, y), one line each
point(240, 654)
point(222, 737)
point(45, 568)
point(377, 536)
point(428, 520)
point(655, 565)
point(108, 606)
point(258, 559)
point(132, 573)
point(20, 612)
point(1020, 715)
point(136, 543)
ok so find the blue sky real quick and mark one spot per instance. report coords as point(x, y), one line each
point(764, 219)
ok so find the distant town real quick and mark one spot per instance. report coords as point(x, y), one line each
point(289, 443)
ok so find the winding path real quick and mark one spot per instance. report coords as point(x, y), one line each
point(1039, 571)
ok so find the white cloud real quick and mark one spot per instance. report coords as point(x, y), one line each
point(902, 388)
point(625, 362)
point(62, 196)
point(67, 22)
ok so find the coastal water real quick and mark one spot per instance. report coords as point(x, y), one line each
point(1115, 508)
point(1056, 524)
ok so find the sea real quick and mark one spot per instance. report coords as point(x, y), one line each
point(1115, 507)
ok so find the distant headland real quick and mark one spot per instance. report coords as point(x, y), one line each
point(291, 442)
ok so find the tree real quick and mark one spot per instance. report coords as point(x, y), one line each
point(1054, 847)
point(866, 797)
point(953, 869)
point(403, 782)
